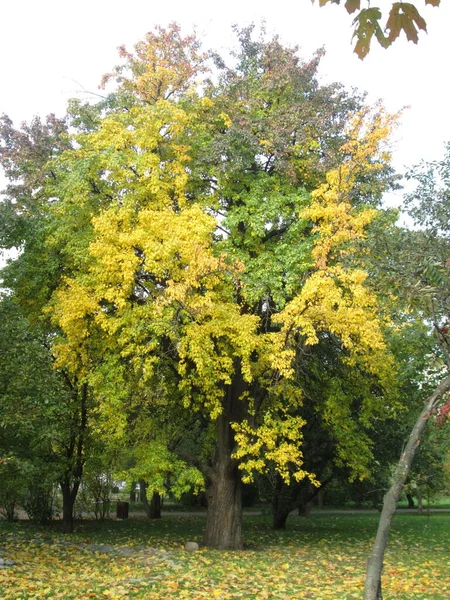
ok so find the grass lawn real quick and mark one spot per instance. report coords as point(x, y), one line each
point(322, 557)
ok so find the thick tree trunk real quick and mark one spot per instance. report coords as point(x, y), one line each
point(320, 497)
point(155, 506)
point(279, 518)
point(410, 500)
point(304, 510)
point(372, 588)
point(224, 514)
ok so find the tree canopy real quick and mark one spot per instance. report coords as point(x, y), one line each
point(190, 240)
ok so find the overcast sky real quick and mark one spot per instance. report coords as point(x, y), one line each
point(51, 50)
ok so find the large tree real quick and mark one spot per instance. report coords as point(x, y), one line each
point(203, 228)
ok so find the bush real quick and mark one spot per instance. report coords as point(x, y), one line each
point(39, 502)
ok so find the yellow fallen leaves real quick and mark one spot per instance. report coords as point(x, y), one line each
point(322, 558)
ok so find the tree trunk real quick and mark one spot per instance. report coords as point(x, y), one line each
point(152, 508)
point(69, 495)
point(304, 510)
point(320, 497)
point(372, 588)
point(155, 506)
point(419, 500)
point(224, 513)
point(70, 482)
point(133, 492)
point(283, 502)
point(410, 500)
point(279, 518)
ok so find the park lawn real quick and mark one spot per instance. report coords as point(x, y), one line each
point(322, 557)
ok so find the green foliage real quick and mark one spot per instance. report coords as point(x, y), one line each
point(192, 247)
point(403, 16)
point(13, 484)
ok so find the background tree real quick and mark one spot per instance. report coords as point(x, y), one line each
point(415, 266)
point(34, 409)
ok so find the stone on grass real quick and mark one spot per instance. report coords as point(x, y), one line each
point(6, 562)
point(191, 546)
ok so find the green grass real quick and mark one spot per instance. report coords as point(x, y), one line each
point(322, 557)
point(437, 503)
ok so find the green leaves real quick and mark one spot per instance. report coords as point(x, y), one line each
point(403, 16)
point(367, 24)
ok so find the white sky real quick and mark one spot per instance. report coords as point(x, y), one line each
point(53, 49)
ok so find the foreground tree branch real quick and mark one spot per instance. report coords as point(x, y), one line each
point(372, 588)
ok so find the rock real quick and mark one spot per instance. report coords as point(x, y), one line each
point(191, 546)
point(100, 548)
point(125, 551)
point(6, 562)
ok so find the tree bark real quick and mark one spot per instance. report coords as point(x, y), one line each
point(152, 508)
point(419, 500)
point(283, 502)
point(372, 588)
point(410, 499)
point(224, 512)
point(69, 495)
point(70, 482)
point(320, 497)
point(155, 506)
point(279, 518)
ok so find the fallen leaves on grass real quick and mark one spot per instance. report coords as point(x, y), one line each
point(308, 562)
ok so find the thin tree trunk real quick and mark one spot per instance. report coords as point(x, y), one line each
point(133, 492)
point(372, 588)
point(419, 500)
point(70, 483)
point(283, 501)
point(69, 495)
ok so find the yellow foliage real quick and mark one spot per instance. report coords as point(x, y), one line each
point(154, 272)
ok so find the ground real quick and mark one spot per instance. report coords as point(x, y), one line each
point(319, 558)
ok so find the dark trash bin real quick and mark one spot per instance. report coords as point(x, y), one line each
point(122, 510)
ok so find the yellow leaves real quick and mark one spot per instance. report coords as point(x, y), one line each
point(214, 339)
point(339, 302)
point(226, 119)
point(276, 441)
point(336, 222)
point(334, 298)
